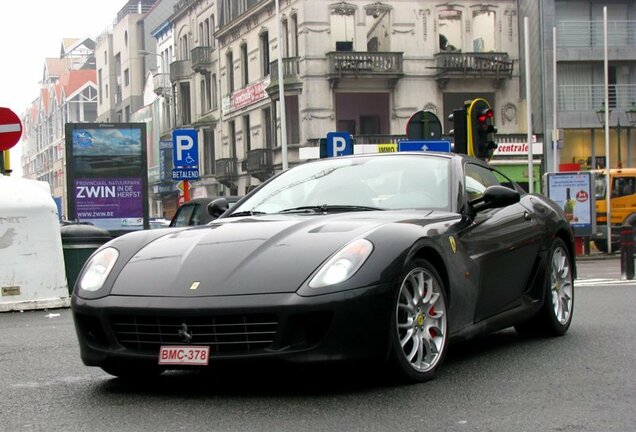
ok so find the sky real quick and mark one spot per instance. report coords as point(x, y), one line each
point(31, 31)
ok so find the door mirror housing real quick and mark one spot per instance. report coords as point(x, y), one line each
point(217, 207)
point(495, 196)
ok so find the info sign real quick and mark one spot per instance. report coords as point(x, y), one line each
point(573, 192)
point(107, 178)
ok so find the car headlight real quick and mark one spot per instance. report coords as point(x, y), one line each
point(343, 264)
point(98, 268)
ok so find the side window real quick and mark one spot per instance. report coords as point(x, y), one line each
point(183, 216)
point(477, 179)
point(623, 186)
point(196, 215)
point(505, 181)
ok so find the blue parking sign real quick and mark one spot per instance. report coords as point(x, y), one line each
point(339, 144)
point(185, 148)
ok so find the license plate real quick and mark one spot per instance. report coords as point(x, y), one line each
point(184, 355)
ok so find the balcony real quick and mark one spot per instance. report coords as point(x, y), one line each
point(497, 66)
point(180, 70)
point(161, 84)
point(259, 164)
point(291, 73)
point(364, 139)
point(202, 59)
point(365, 65)
point(227, 171)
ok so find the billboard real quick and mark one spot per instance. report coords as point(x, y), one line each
point(573, 192)
point(106, 175)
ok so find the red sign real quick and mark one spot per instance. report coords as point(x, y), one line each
point(582, 196)
point(248, 95)
point(10, 129)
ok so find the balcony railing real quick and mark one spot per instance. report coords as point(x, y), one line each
point(590, 97)
point(343, 63)
point(590, 34)
point(227, 171)
point(259, 163)
point(202, 58)
point(161, 84)
point(365, 139)
point(480, 65)
point(290, 69)
point(180, 70)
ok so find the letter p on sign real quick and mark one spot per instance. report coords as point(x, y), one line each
point(185, 148)
point(339, 144)
point(184, 143)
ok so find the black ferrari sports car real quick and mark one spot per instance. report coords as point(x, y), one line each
point(386, 256)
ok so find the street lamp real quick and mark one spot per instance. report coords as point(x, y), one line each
point(631, 118)
point(600, 114)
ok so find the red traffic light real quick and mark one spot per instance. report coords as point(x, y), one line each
point(484, 116)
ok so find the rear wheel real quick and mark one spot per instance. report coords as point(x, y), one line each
point(419, 323)
point(555, 316)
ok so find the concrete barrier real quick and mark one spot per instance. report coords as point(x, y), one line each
point(31, 257)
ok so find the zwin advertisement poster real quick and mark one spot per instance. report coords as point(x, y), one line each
point(573, 193)
point(107, 175)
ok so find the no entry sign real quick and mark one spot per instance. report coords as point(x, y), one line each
point(10, 129)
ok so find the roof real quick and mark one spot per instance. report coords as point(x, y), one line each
point(76, 79)
point(55, 66)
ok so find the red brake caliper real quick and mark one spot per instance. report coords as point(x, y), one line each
point(431, 312)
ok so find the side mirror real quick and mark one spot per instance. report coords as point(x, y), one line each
point(217, 207)
point(495, 196)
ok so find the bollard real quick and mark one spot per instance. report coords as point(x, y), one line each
point(627, 253)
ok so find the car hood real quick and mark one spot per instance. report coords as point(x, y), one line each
point(249, 255)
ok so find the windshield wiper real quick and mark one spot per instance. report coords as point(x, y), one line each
point(246, 213)
point(325, 208)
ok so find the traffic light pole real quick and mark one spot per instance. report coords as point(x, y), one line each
point(528, 106)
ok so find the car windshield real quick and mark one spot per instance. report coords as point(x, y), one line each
point(389, 182)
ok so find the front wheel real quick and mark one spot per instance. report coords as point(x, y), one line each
point(555, 316)
point(419, 322)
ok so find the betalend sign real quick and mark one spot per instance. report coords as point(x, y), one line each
point(10, 129)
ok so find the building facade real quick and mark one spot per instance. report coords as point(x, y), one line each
point(358, 66)
point(68, 95)
point(580, 81)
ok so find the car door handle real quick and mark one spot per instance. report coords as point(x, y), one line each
point(527, 216)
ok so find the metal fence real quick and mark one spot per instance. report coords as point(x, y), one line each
point(591, 97)
point(587, 34)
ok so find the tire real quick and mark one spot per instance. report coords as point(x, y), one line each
point(419, 324)
point(132, 371)
point(555, 316)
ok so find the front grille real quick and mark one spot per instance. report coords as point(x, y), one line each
point(234, 334)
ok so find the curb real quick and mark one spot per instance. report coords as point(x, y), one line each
point(597, 257)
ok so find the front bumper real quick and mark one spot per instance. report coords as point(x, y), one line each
point(339, 326)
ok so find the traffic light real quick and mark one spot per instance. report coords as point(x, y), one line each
point(481, 130)
point(459, 131)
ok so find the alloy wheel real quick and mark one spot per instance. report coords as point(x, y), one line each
point(421, 319)
point(561, 285)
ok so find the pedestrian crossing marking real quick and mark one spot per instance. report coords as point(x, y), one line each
point(603, 282)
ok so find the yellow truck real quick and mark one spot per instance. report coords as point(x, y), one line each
point(623, 199)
